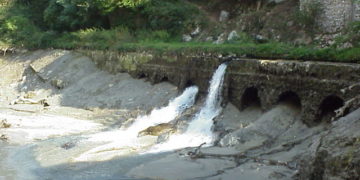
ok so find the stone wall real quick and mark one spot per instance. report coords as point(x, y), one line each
point(335, 14)
point(317, 84)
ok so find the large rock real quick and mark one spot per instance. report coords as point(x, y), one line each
point(338, 154)
point(233, 35)
point(224, 16)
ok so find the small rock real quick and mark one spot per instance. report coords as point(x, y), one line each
point(232, 35)
point(210, 38)
point(58, 83)
point(157, 130)
point(196, 31)
point(224, 16)
point(290, 23)
point(68, 145)
point(186, 38)
point(346, 45)
point(220, 39)
point(3, 137)
point(4, 124)
point(261, 39)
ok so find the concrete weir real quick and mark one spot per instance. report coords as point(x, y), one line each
point(318, 87)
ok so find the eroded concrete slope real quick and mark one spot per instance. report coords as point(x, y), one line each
point(69, 84)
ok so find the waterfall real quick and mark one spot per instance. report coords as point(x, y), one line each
point(199, 129)
point(203, 120)
point(157, 116)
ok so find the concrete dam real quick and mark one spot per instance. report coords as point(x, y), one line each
point(319, 88)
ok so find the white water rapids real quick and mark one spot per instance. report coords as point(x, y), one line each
point(119, 139)
point(199, 129)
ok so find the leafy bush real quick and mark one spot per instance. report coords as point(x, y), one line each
point(70, 15)
point(20, 31)
point(33, 10)
point(108, 6)
point(174, 16)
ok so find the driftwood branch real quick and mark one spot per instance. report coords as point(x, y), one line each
point(353, 102)
point(22, 100)
point(197, 154)
point(350, 87)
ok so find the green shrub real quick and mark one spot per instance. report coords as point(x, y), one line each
point(70, 15)
point(20, 31)
point(174, 16)
point(108, 6)
point(33, 10)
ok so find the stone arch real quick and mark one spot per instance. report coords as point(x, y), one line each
point(290, 97)
point(328, 106)
point(164, 79)
point(141, 75)
point(189, 83)
point(250, 97)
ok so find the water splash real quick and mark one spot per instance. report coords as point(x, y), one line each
point(168, 113)
point(199, 130)
point(127, 139)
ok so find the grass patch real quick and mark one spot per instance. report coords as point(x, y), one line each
point(120, 39)
point(249, 50)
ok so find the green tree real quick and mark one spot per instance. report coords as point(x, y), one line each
point(174, 16)
point(108, 6)
point(69, 15)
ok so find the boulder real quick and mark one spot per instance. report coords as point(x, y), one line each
point(224, 16)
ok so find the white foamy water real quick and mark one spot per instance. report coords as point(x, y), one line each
point(29, 128)
point(120, 139)
point(168, 113)
point(199, 129)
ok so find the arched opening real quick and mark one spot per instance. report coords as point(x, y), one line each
point(250, 98)
point(140, 76)
point(328, 106)
point(164, 79)
point(291, 98)
point(189, 83)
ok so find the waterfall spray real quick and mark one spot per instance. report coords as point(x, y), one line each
point(120, 138)
point(199, 129)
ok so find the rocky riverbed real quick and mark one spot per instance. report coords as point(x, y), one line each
point(60, 118)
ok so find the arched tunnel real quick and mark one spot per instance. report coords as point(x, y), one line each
point(291, 98)
point(250, 97)
point(327, 108)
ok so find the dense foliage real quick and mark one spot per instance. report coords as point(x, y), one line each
point(35, 24)
point(154, 25)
